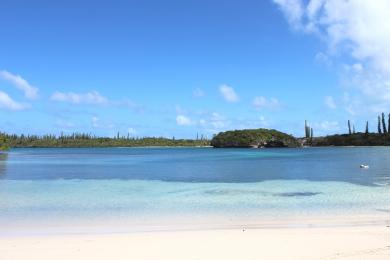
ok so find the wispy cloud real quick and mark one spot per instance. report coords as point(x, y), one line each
point(95, 121)
point(64, 124)
point(92, 97)
point(229, 94)
point(322, 58)
point(329, 102)
point(293, 10)
point(357, 28)
point(266, 103)
point(20, 83)
point(326, 127)
point(183, 120)
point(8, 103)
point(198, 93)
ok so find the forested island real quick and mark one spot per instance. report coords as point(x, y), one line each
point(247, 138)
point(254, 138)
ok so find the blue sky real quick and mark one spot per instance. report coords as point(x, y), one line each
point(177, 68)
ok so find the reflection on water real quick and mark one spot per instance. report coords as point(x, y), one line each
point(3, 163)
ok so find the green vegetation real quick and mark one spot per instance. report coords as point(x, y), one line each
point(254, 138)
point(87, 140)
point(358, 139)
point(239, 138)
point(3, 143)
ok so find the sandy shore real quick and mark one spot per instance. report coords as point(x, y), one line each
point(369, 242)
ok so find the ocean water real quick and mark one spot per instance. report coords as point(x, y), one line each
point(131, 185)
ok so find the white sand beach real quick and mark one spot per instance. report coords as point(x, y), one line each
point(354, 242)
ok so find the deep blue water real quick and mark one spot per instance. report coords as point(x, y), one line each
point(47, 185)
point(199, 164)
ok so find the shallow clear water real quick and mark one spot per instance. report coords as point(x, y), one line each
point(47, 185)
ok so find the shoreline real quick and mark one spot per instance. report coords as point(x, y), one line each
point(186, 223)
point(196, 146)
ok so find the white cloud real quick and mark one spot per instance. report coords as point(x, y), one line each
point(293, 10)
point(64, 124)
point(323, 58)
point(326, 127)
point(214, 122)
point(229, 94)
point(263, 122)
point(20, 83)
point(218, 121)
point(330, 103)
point(92, 97)
point(266, 103)
point(358, 28)
point(184, 120)
point(198, 93)
point(8, 103)
point(95, 122)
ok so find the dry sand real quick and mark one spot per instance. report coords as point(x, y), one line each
point(356, 242)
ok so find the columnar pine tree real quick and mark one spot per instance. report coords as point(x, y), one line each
point(388, 125)
point(349, 127)
point(379, 125)
point(384, 124)
point(305, 128)
point(367, 127)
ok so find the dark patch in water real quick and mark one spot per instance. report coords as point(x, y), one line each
point(297, 194)
point(384, 210)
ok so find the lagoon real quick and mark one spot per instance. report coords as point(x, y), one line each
point(146, 188)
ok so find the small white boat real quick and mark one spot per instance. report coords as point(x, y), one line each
point(364, 166)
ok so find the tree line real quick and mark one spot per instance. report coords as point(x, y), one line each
point(382, 127)
point(89, 140)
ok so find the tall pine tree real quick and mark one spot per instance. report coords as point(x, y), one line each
point(307, 130)
point(379, 125)
point(384, 124)
point(349, 127)
point(388, 125)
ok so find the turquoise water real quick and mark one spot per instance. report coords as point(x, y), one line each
point(59, 185)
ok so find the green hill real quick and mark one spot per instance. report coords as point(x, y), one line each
point(254, 138)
